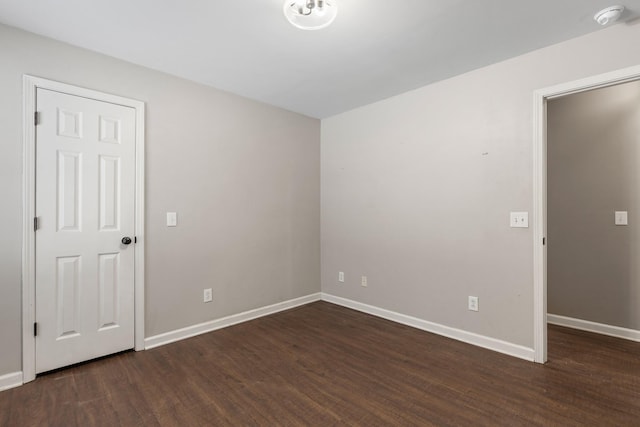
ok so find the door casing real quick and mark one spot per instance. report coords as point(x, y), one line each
point(540, 98)
point(30, 85)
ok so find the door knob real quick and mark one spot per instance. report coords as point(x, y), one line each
point(126, 240)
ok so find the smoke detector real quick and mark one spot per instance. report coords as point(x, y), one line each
point(608, 15)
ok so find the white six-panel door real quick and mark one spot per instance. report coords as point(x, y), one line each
point(85, 194)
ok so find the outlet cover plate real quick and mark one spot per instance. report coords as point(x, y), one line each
point(622, 218)
point(208, 295)
point(473, 303)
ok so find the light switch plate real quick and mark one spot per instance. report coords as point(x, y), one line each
point(622, 218)
point(172, 219)
point(519, 220)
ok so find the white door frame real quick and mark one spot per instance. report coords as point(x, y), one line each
point(30, 85)
point(540, 98)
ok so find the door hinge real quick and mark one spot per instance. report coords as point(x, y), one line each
point(544, 241)
point(36, 223)
point(36, 118)
point(35, 329)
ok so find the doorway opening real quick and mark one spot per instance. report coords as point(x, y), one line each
point(542, 98)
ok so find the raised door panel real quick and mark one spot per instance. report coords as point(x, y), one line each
point(67, 297)
point(109, 199)
point(68, 182)
point(69, 123)
point(108, 284)
point(110, 129)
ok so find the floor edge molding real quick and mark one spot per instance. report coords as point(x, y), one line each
point(489, 343)
point(598, 328)
point(14, 379)
point(234, 319)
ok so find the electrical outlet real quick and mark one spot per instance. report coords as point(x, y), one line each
point(473, 303)
point(341, 276)
point(208, 295)
point(363, 281)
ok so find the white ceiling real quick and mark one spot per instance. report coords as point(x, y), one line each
point(375, 48)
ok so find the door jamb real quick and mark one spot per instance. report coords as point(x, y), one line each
point(30, 85)
point(540, 98)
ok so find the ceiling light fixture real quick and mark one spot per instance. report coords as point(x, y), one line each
point(608, 15)
point(310, 14)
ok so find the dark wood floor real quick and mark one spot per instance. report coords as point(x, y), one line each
point(323, 365)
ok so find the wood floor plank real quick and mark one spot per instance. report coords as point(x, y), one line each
point(326, 365)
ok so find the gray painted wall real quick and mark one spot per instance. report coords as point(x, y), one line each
point(243, 176)
point(593, 153)
point(417, 189)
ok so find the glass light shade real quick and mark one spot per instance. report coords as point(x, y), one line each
point(310, 14)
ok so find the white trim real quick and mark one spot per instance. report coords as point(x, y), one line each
point(139, 247)
point(447, 331)
point(540, 98)
point(11, 380)
point(234, 319)
point(30, 85)
point(28, 236)
point(598, 328)
point(539, 232)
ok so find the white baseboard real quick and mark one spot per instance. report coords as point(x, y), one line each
point(456, 334)
point(598, 328)
point(11, 380)
point(201, 328)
